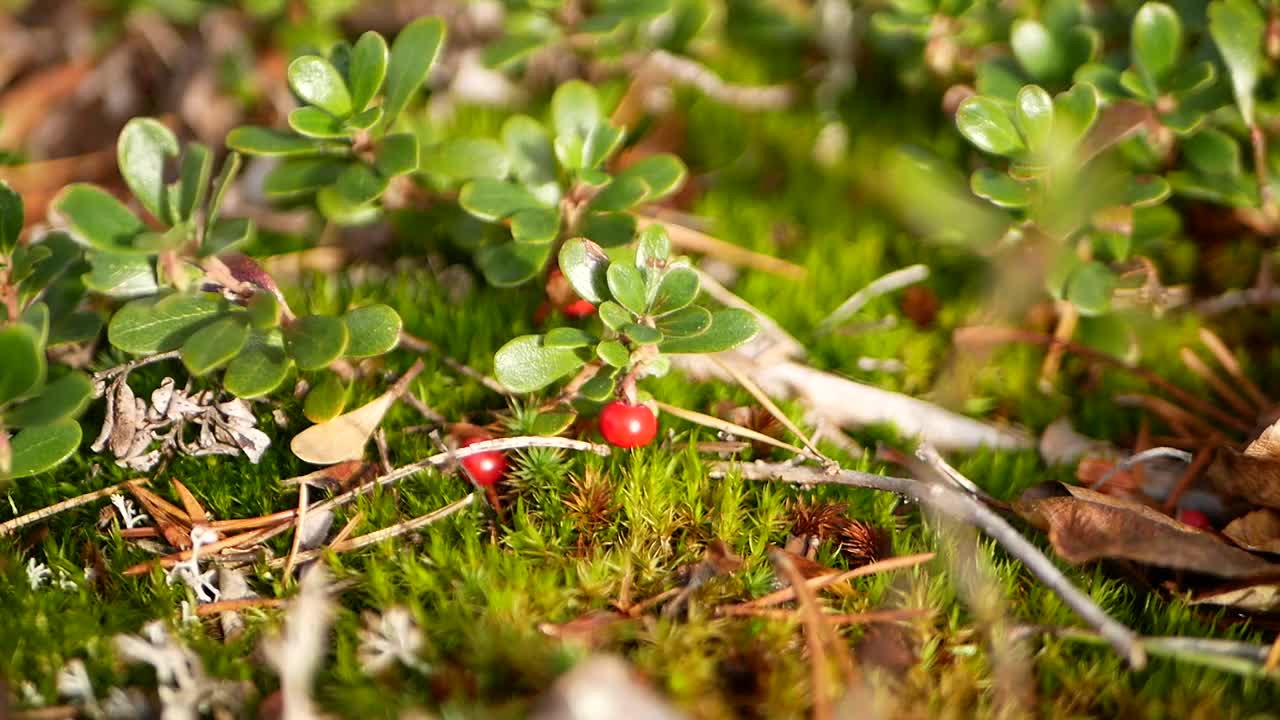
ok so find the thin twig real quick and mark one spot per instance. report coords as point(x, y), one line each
point(221, 606)
point(377, 536)
point(132, 365)
point(349, 528)
point(1229, 655)
point(418, 344)
point(716, 423)
point(1137, 459)
point(22, 521)
point(949, 501)
point(887, 283)
point(1193, 471)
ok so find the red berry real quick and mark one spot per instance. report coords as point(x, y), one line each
point(628, 426)
point(1195, 519)
point(485, 468)
point(579, 309)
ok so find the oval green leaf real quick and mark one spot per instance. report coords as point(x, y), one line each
point(65, 397)
point(24, 365)
point(368, 69)
point(412, 54)
point(152, 325)
point(326, 399)
point(259, 368)
point(39, 448)
point(584, 264)
point(319, 83)
point(213, 345)
point(525, 364)
point(316, 340)
point(729, 329)
point(985, 122)
point(627, 287)
point(371, 330)
point(141, 150)
point(98, 219)
point(1155, 42)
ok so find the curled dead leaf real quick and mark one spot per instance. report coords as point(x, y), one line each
point(1253, 475)
point(1084, 525)
point(344, 437)
point(1258, 531)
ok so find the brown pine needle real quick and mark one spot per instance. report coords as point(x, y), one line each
point(297, 529)
point(716, 423)
point(767, 404)
point(10, 526)
point(788, 593)
point(1198, 465)
point(190, 504)
point(1181, 420)
point(866, 618)
point(1228, 361)
point(349, 528)
point(248, 539)
point(691, 240)
point(221, 606)
point(1205, 373)
point(639, 608)
point(814, 630)
point(1273, 658)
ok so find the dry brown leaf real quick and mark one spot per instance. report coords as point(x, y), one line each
point(344, 437)
point(1084, 525)
point(1260, 598)
point(1254, 474)
point(1258, 531)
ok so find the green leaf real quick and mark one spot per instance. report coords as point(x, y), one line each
point(372, 330)
point(213, 345)
point(642, 334)
point(319, 83)
point(152, 325)
point(535, 226)
point(575, 110)
point(598, 146)
point(613, 353)
point(609, 229)
point(41, 447)
point(627, 287)
point(601, 386)
point(1212, 152)
point(316, 123)
point(1000, 189)
point(729, 329)
point(663, 174)
point(525, 364)
point(65, 397)
point(1156, 42)
point(1074, 112)
point(230, 168)
point(613, 315)
point(1037, 50)
point(509, 264)
point(36, 317)
point(685, 322)
point(259, 368)
point(97, 218)
point(461, 159)
point(1033, 113)
point(364, 120)
point(326, 399)
point(584, 265)
point(493, 200)
point(368, 69)
point(1147, 190)
point(986, 123)
point(510, 49)
point(274, 143)
point(552, 423)
point(264, 310)
point(529, 147)
point(301, 176)
point(120, 276)
point(1237, 28)
point(678, 288)
point(188, 193)
point(79, 326)
point(621, 194)
point(11, 219)
point(568, 337)
point(360, 184)
point(1089, 288)
point(227, 235)
point(24, 365)
point(141, 151)
point(397, 154)
point(412, 54)
point(653, 249)
point(316, 340)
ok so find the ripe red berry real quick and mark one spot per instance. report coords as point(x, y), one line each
point(1195, 519)
point(485, 468)
point(628, 426)
point(579, 309)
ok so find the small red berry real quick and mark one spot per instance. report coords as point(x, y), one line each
point(579, 309)
point(486, 468)
point(1195, 519)
point(628, 426)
